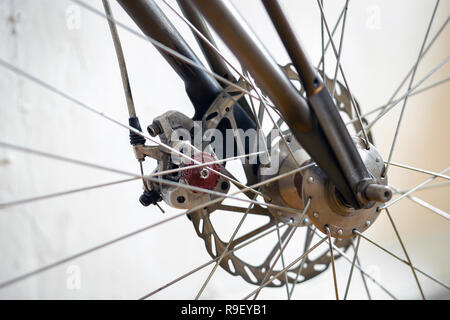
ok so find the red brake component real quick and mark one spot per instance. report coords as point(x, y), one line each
point(200, 176)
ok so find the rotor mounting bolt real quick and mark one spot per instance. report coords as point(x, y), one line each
point(340, 232)
point(206, 177)
point(316, 214)
point(310, 179)
point(204, 173)
point(367, 223)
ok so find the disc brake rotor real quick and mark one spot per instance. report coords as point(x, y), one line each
point(280, 193)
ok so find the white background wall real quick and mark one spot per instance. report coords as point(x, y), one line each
point(71, 49)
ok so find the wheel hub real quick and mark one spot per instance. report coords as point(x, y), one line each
point(327, 207)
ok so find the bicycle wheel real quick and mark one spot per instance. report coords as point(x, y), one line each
point(97, 241)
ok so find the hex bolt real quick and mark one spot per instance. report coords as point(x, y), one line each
point(315, 214)
point(340, 232)
point(367, 223)
point(310, 179)
point(181, 199)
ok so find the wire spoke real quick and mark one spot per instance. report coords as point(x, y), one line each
point(254, 210)
point(96, 166)
point(421, 57)
point(186, 60)
point(283, 138)
point(424, 204)
point(63, 193)
point(330, 244)
point(419, 170)
point(352, 99)
point(301, 220)
point(309, 235)
point(363, 276)
point(243, 75)
point(45, 268)
point(402, 260)
point(351, 269)
point(342, 253)
point(253, 188)
point(341, 42)
point(322, 36)
point(221, 195)
point(386, 205)
point(203, 38)
point(64, 159)
point(289, 233)
point(432, 186)
point(406, 253)
point(410, 93)
point(431, 86)
point(224, 252)
point(103, 115)
point(283, 264)
point(164, 48)
point(185, 275)
point(428, 206)
point(276, 276)
point(85, 252)
point(322, 59)
point(407, 94)
point(397, 129)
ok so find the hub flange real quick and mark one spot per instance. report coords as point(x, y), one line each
point(327, 207)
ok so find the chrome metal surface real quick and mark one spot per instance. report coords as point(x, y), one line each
point(328, 208)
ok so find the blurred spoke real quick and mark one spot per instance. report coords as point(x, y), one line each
point(285, 269)
point(404, 261)
point(351, 269)
point(210, 262)
point(330, 244)
point(63, 193)
point(406, 253)
point(386, 205)
point(397, 129)
point(224, 252)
